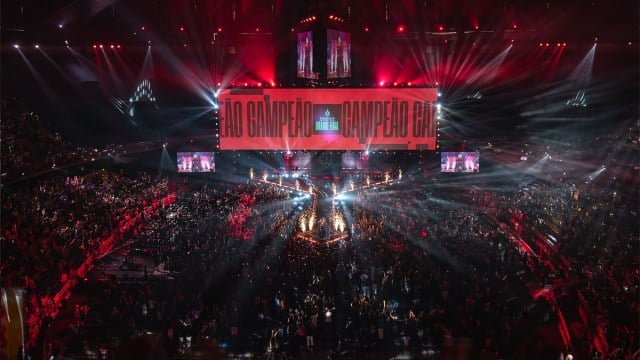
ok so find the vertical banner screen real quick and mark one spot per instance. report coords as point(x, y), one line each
point(305, 55)
point(338, 54)
point(328, 119)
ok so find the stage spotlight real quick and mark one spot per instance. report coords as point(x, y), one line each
point(66, 42)
point(181, 28)
point(366, 29)
point(381, 83)
point(95, 46)
point(112, 46)
point(118, 46)
point(440, 28)
point(409, 83)
point(60, 26)
point(101, 46)
point(439, 94)
point(400, 28)
point(476, 27)
point(37, 46)
point(219, 29)
point(16, 46)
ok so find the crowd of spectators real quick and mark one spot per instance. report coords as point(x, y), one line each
point(385, 290)
point(589, 234)
point(53, 225)
point(27, 145)
point(428, 271)
point(426, 267)
point(31, 148)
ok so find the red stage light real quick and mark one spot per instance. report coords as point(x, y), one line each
point(395, 84)
point(400, 28)
point(409, 83)
point(257, 29)
point(381, 83)
point(330, 17)
point(95, 46)
point(142, 27)
point(259, 84)
point(100, 46)
point(118, 46)
point(245, 84)
point(366, 29)
point(476, 27)
point(540, 44)
point(219, 29)
point(219, 84)
point(292, 30)
point(547, 44)
point(515, 26)
point(112, 46)
point(440, 28)
point(558, 44)
point(564, 44)
point(181, 28)
point(273, 84)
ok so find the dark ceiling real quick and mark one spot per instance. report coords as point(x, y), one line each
point(95, 20)
point(77, 103)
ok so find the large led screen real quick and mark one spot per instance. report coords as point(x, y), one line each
point(338, 54)
point(305, 55)
point(461, 162)
point(328, 119)
point(195, 162)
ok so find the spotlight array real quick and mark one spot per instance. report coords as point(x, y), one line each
point(308, 20)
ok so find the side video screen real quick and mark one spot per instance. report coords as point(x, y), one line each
point(196, 162)
point(460, 162)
